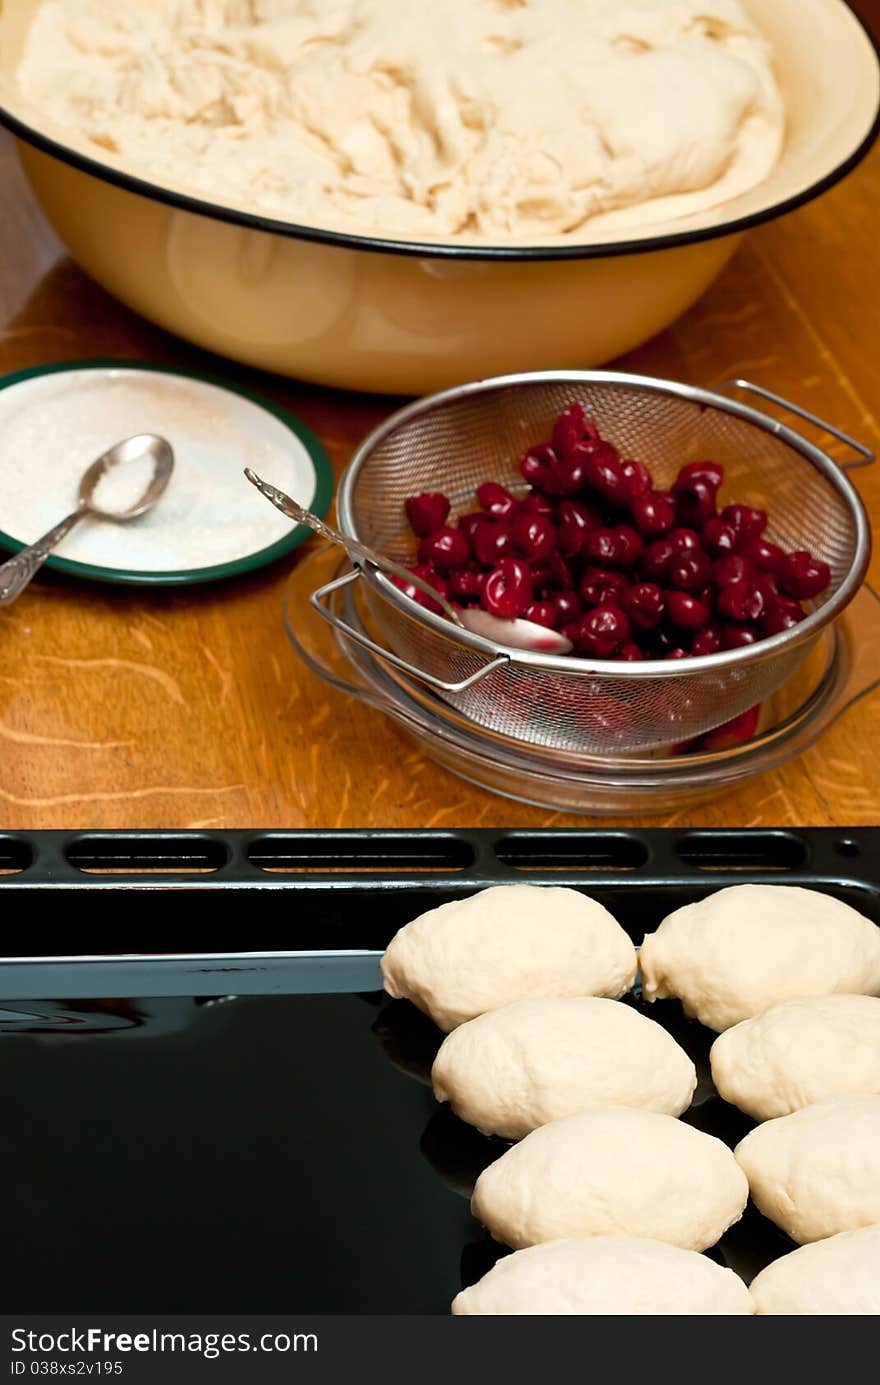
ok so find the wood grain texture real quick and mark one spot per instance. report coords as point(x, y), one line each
point(188, 708)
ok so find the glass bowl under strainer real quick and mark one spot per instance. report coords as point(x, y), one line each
point(843, 667)
point(454, 440)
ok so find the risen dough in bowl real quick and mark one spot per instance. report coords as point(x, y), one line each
point(485, 120)
point(612, 1172)
point(615, 1276)
point(503, 944)
point(525, 1064)
point(800, 1053)
point(837, 1277)
point(817, 1171)
point(748, 947)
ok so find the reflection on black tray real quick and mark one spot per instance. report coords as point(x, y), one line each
point(258, 1155)
point(457, 1152)
point(408, 1039)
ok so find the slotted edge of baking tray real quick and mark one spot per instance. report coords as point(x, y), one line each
point(457, 859)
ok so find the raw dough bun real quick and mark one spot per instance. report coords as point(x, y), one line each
point(612, 1172)
point(799, 1053)
point(838, 1277)
point(817, 1171)
point(503, 944)
point(751, 946)
point(618, 1276)
point(513, 1069)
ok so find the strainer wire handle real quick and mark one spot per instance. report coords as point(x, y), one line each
point(326, 593)
point(864, 455)
point(318, 665)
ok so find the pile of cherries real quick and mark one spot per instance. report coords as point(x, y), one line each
point(621, 569)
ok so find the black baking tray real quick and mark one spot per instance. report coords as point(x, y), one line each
point(241, 1121)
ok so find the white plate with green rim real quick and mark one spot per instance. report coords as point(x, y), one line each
point(210, 524)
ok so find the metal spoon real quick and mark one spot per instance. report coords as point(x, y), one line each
point(353, 547)
point(18, 571)
point(516, 634)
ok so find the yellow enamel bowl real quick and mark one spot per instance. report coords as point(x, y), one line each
point(402, 317)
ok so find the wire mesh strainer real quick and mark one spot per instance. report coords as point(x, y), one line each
point(453, 441)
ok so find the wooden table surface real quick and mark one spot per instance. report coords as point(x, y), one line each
point(189, 709)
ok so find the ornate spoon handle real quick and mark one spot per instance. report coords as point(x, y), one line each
point(17, 572)
point(352, 547)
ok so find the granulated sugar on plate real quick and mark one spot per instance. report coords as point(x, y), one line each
point(123, 485)
point(52, 427)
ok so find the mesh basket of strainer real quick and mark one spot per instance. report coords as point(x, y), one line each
point(453, 441)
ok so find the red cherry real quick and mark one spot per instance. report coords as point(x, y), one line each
point(718, 537)
point(508, 589)
point(803, 576)
point(446, 549)
point(733, 569)
point(575, 519)
point(653, 513)
point(561, 574)
point(567, 477)
point(599, 586)
point(541, 612)
point(569, 607)
point(686, 611)
point(738, 636)
point(706, 593)
point(638, 478)
point(496, 500)
point(568, 430)
point(629, 545)
point(688, 571)
point(570, 539)
point(657, 558)
point(426, 512)
point(427, 574)
point(537, 504)
point(630, 652)
point(553, 573)
point(769, 557)
point(535, 464)
point(684, 539)
point(659, 642)
point(534, 536)
point(601, 631)
point(707, 640)
point(677, 653)
point(733, 732)
point(578, 512)
point(695, 505)
point(604, 473)
point(644, 605)
point(741, 602)
point(465, 585)
point(709, 473)
point(601, 546)
point(768, 587)
point(788, 603)
point(745, 519)
point(492, 541)
point(776, 620)
point(470, 523)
